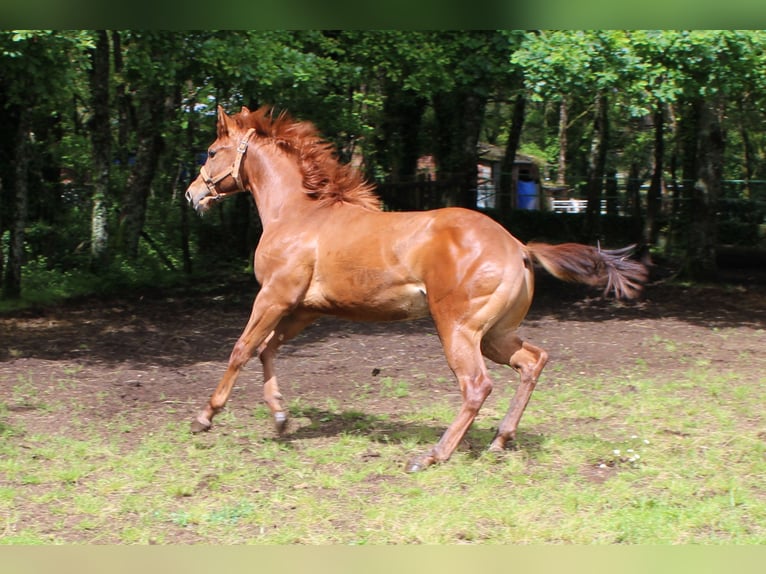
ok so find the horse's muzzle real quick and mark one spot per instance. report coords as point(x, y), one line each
point(198, 195)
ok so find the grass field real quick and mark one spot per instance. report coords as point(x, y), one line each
point(619, 458)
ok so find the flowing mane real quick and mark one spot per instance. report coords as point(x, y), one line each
point(325, 179)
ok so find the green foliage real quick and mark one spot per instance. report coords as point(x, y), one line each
point(40, 65)
point(46, 285)
point(165, 86)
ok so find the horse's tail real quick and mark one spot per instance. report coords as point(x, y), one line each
point(610, 269)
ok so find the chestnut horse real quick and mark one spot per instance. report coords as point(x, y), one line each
point(328, 249)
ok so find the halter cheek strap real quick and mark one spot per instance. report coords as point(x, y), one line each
point(233, 171)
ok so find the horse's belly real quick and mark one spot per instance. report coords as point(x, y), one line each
point(393, 303)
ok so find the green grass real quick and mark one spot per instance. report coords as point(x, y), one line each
point(628, 459)
point(391, 389)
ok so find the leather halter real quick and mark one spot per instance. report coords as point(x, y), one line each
point(233, 171)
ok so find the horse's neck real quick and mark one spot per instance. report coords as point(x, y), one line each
point(276, 185)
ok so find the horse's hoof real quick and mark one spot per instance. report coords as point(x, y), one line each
point(501, 444)
point(417, 464)
point(280, 422)
point(198, 426)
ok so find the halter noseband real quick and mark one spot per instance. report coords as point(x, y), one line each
point(233, 171)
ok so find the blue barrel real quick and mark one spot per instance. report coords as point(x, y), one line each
point(527, 194)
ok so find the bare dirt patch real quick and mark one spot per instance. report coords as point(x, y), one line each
point(136, 356)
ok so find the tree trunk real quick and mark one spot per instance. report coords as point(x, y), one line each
point(122, 102)
point(101, 140)
point(702, 195)
point(459, 115)
point(563, 124)
point(748, 151)
point(654, 197)
point(611, 189)
point(2, 230)
point(688, 139)
point(398, 148)
point(597, 167)
point(12, 280)
point(676, 163)
point(149, 144)
point(506, 192)
point(9, 120)
point(191, 168)
point(633, 191)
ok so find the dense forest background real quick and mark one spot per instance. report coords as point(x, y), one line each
point(101, 132)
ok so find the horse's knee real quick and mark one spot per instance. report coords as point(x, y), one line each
point(240, 354)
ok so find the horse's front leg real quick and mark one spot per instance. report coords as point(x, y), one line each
point(288, 328)
point(267, 312)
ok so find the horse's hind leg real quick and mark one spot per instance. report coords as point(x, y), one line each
point(464, 358)
point(288, 328)
point(528, 360)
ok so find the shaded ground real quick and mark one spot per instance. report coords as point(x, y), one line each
point(134, 356)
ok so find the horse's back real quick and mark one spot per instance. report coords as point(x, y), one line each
point(411, 243)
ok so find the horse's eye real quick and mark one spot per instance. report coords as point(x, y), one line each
point(211, 153)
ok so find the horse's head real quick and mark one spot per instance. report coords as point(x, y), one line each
point(220, 175)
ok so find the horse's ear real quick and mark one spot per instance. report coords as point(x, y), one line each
point(244, 111)
point(223, 123)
